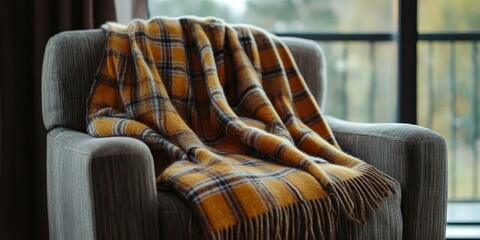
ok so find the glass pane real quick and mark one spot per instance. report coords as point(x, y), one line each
point(288, 15)
point(448, 15)
point(362, 83)
point(448, 102)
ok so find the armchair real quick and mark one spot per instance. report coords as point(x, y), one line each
point(105, 188)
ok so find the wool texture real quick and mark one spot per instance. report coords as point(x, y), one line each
point(233, 127)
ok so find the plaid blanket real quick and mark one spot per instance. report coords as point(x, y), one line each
point(232, 127)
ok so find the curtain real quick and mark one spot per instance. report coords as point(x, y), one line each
point(26, 26)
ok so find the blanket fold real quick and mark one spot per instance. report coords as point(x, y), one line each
point(232, 127)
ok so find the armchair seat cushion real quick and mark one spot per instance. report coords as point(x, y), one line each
point(177, 221)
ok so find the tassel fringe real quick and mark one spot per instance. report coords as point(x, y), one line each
point(304, 220)
point(362, 195)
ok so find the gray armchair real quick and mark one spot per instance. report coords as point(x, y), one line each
point(105, 188)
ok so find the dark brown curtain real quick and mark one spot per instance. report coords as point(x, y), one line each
point(26, 26)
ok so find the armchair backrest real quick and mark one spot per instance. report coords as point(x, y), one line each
point(69, 64)
point(72, 58)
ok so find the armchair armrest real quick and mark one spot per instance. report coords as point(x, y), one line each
point(100, 188)
point(416, 157)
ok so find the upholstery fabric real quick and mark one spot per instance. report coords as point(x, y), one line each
point(69, 64)
point(416, 158)
point(226, 104)
point(95, 184)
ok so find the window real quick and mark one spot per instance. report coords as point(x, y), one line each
point(448, 87)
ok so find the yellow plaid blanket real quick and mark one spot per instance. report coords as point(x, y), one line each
point(232, 127)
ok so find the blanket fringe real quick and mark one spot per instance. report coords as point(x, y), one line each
point(359, 196)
